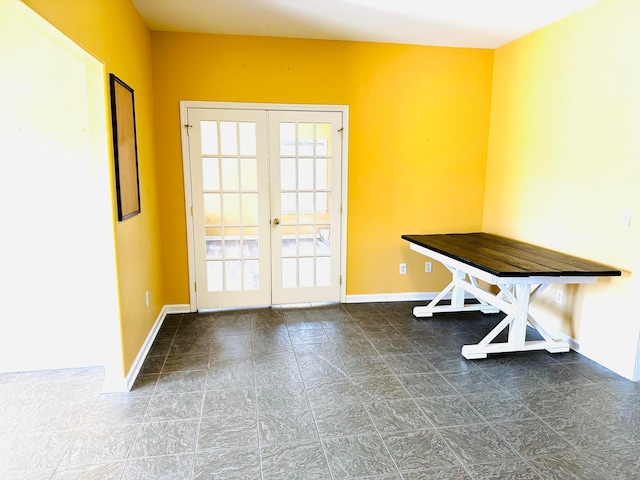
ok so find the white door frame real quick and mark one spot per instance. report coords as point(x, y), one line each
point(187, 104)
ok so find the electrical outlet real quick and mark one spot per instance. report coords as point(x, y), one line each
point(146, 297)
point(427, 267)
point(559, 297)
point(403, 269)
point(625, 218)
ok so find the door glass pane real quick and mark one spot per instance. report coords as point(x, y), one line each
point(247, 138)
point(213, 243)
point(209, 137)
point(287, 139)
point(231, 205)
point(323, 134)
point(214, 276)
point(323, 271)
point(305, 202)
point(250, 208)
point(305, 139)
point(322, 174)
point(210, 174)
point(288, 173)
point(322, 206)
point(230, 176)
point(306, 240)
point(250, 243)
point(306, 274)
point(251, 275)
point(212, 208)
point(249, 173)
point(231, 247)
point(323, 240)
point(289, 273)
point(289, 241)
point(233, 275)
point(228, 138)
point(305, 174)
point(288, 203)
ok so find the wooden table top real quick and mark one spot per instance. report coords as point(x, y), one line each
point(504, 257)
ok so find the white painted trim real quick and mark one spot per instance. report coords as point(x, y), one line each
point(185, 105)
point(300, 107)
point(188, 201)
point(573, 343)
point(345, 182)
point(126, 383)
point(636, 369)
point(396, 297)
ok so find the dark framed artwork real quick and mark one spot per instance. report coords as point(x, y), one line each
point(125, 148)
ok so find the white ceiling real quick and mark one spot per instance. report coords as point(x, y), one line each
point(454, 23)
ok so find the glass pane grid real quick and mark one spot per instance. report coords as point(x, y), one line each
point(305, 210)
point(230, 191)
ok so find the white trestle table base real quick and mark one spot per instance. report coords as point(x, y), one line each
point(517, 284)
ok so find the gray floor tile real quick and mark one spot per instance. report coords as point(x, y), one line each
point(117, 410)
point(419, 450)
point(532, 437)
point(408, 364)
point(286, 425)
point(261, 382)
point(471, 382)
point(232, 431)
point(373, 389)
point(181, 382)
point(230, 401)
point(230, 377)
point(368, 365)
point(35, 453)
point(341, 420)
point(102, 471)
point(166, 438)
point(584, 431)
point(440, 473)
point(498, 406)
point(477, 444)
point(504, 471)
point(625, 423)
point(449, 411)
point(185, 363)
point(296, 461)
point(358, 456)
point(426, 385)
point(618, 463)
point(281, 396)
point(331, 392)
point(568, 466)
point(231, 464)
point(177, 406)
point(173, 467)
point(397, 416)
point(101, 444)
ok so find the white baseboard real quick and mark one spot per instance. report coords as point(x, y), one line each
point(126, 383)
point(397, 297)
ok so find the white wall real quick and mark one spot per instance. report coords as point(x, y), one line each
point(58, 292)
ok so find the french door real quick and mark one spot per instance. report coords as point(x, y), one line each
point(265, 193)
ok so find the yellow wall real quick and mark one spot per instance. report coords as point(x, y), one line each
point(113, 31)
point(418, 138)
point(564, 162)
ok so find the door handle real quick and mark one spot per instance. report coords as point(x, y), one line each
point(276, 221)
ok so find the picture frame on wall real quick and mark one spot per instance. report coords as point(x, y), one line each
point(125, 148)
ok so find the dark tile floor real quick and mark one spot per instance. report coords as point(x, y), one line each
point(345, 391)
